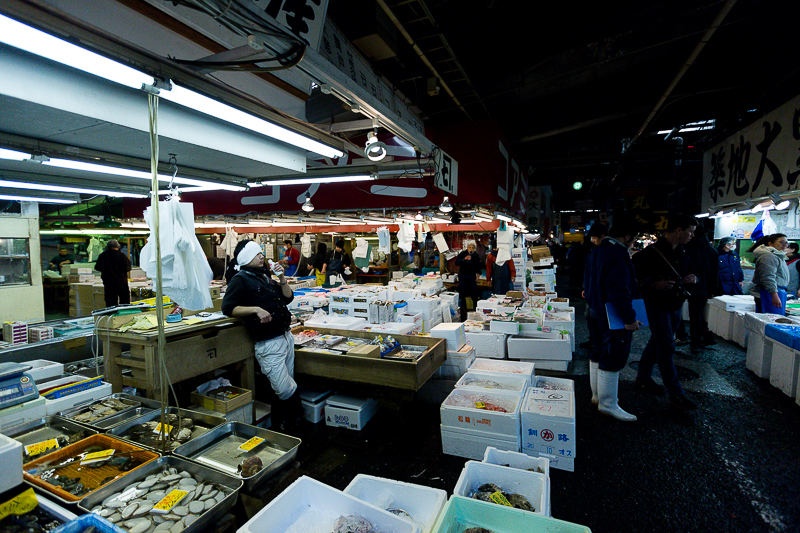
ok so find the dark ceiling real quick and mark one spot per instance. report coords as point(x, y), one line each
point(570, 82)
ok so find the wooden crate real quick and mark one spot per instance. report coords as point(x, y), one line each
point(407, 375)
point(222, 406)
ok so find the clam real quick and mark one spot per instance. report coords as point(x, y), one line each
point(196, 507)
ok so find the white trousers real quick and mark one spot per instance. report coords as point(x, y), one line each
point(276, 359)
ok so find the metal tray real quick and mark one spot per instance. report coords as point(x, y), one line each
point(206, 474)
point(286, 446)
point(138, 407)
point(123, 431)
point(46, 428)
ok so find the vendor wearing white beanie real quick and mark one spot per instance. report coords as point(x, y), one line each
point(261, 303)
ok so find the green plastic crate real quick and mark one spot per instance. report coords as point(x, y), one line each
point(460, 513)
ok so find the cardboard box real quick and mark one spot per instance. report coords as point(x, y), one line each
point(366, 350)
point(242, 397)
point(547, 422)
point(542, 346)
point(452, 332)
point(349, 412)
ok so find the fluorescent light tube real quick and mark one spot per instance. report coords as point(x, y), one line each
point(31, 40)
point(64, 188)
point(13, 155)
point(328, 179)
point(36, 199)
point(501, 216)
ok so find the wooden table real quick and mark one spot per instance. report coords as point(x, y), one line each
point(190, 351)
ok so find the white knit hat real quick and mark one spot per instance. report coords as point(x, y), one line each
point(246, 254)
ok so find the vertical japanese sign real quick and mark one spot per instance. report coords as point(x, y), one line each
point(757, 161)
point(446, 177)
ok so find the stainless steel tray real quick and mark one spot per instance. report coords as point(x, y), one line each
point(203, 472)
point(123, 431)
point(47, 428)
point(138, 407)
point(283, 445)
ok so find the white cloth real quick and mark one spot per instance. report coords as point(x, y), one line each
point(185, 273)
point(305, 245)
point(362, 249)
point(95, 248)
point(276, 359)
point(503, 254)
point(230, 241)
point(384, 240)
point(405, 235)
point(768, 226)
point(247, 254)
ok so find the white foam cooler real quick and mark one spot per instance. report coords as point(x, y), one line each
point(493, 381)
point(461, 410)
point(784, 368)
point(522, 368)
point(472, 444)
point(531, 485)
point(547, 422)
point(456, 363)
point(487, 344)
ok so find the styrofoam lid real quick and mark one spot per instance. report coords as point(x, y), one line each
point(314, 396)
point(348, 402)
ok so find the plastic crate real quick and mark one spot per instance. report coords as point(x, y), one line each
point(531, 485)
point(84, 522)
point(461, 513)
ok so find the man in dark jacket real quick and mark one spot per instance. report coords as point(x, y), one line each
point(611, 281)
point(114, 266)
point(703, 262)
point(469, 267)
point(663, 280)
point(261, 303)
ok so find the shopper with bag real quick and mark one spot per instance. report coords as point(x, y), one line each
point(771, 275)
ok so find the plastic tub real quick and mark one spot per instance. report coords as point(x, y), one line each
point(528, 484)
point(493, 381)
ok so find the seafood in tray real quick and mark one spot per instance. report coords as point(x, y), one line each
point(72, 472)
point(32, 514)
point(96, 413)
point(305, 336)
point(180, 426)
point(46, 435)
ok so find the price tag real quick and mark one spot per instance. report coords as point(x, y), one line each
point(38, 448)
point(480, 405)
point(250, 444)
point(169, 501)
point(97, 456)
point(21, 504)
point(498, 498)
point(167, 429)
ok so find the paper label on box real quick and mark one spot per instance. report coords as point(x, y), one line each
point(97, 456)
point(38, 448)
point(250, 444)
point(163, 428)
point(169, 501)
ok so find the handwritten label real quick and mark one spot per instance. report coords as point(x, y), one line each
point(498, 498)
point(250, 444)
point(95, 457)
point(19, 505)
point(38, 448)
point(163, 428)
point(169, 501)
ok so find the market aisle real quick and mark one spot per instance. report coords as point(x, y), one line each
point(731, 466)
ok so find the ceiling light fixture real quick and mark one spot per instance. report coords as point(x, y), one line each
point(13, 155)
point(63, 188)
point(446, 206)
point(307, 205)
point(321, 179)
point(31, 40)
point(39, 199)
point(374, 149)
point(780, 203)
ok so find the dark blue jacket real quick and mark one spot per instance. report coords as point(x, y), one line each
point(730, 273)
point(253, 287)
point(611, 279)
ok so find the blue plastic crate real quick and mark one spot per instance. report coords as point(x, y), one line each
point(786, 334)
point(460, 513)
point(81, 523)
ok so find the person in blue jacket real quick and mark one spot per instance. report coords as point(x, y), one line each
point(611, 281)
point(730, 269)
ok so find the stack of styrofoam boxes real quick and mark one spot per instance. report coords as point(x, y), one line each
point(759, 347)
point(430, 308)
point(15, 332)
point(722, 312)
point(455, 337)
point(40, 333)
point(42, 369)
point(521, 461)
point(421, 505)
point(450, 301)
point(341, 303)
point(430, 285)
point(78, 274)
point(496, 306)
point(486, 343)
point(520, 257)
point(474, 418)
point(549, 351)
point(547, 421)
point(785, 365)
point(560, 320)
point(543, 279)
point(457, 362)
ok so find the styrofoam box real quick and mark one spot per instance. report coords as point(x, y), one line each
point(551, 383)
point(556, 366)
point(759, 353)
point(456, 363)
point(487, 344)
point(558, 462)
point(308, 505)
point(737, 302)
point(739, 331)
point(547, 422)
point(452, 332)
point(11, 459)
point(43, 369)
point(313, 405)
point(493, 381)
point(529, 484)
point(76, 399)
point(349, 412)
point(472, 443)
point(523, 462)
point(543, 346)
point(461, 512)
point(22, 414)
point(392, 328)
point(423, 504)
point(351, 323)
point(458, 410)
point(508, 327)
point(523, 368)
point(784, 368)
